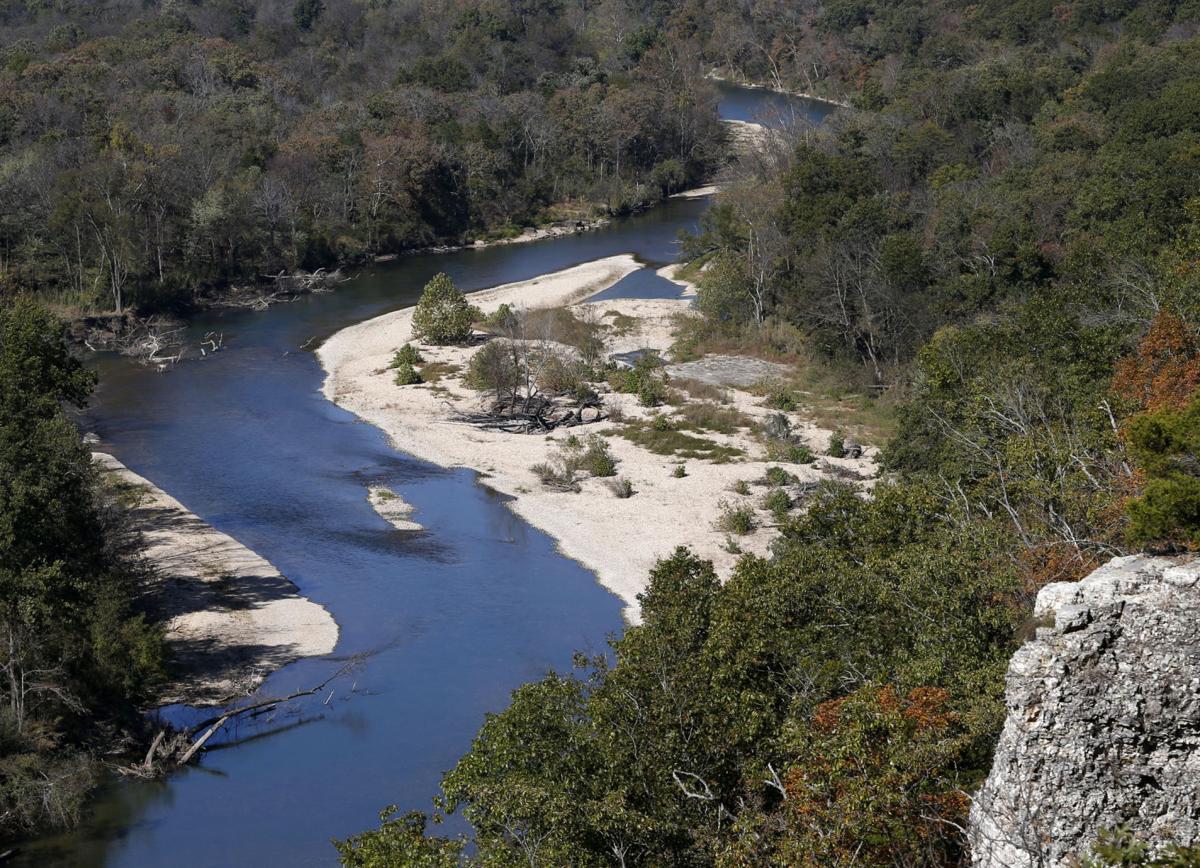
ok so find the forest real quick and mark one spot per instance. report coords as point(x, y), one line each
point(997, 247)
point(151, 155)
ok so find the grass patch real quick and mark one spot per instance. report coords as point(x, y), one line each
point(702, 391)
point(126, 494)
point(789, 451)
point(665, 440)
point(435, 371)
point(710, 417)
point(622, 323)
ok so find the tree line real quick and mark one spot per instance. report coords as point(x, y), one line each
point(78, 654)
point(153, 153)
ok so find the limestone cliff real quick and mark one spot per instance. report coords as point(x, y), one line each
point(1103, 724)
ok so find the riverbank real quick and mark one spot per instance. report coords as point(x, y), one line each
point(230, 617)
point(618, 538)
point(715, 75)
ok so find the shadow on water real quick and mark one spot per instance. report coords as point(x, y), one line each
point(453, 617)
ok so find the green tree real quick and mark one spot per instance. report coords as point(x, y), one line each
point(399, 841)
point(443, 315)
point(306, 13)
point(1165, 445)
point(74, 652)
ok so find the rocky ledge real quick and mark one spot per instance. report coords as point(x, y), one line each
point(1103, 726)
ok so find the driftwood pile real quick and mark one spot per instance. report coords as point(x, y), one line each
point(536, 415)
point(285, 287)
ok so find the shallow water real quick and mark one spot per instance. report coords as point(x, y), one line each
point(451, 618)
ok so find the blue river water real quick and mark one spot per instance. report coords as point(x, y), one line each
point(450, 619)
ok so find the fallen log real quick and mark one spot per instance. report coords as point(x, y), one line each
point(206, 729)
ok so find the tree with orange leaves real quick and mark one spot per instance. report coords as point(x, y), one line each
point(872, 783)
point(1164, 372)
point(1162, 378)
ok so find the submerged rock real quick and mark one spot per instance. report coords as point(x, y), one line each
point(1103, 726)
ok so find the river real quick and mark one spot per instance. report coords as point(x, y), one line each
point(452, 618)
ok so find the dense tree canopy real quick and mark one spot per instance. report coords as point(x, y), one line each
point(75, 653)
point(151, 152)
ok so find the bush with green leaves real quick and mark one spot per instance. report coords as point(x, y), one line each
point(736, 518)
point(400, 840)
point(645, 379)
point(443, 315)
point(781, 399)
point(597, 459)
point(497, 367)
point(777, 502)
point(503, 320)
point(790, 451)
point(407, 354)
point(777, 476)
point(1165, 446)
point(837, 445)
point(406, 375)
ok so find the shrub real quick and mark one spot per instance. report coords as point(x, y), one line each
point(644, 379)
point(622, 487)
point(790, 451)
point(557, 474)
point(406, 354)
point(781, 399)
point(740, 487)
point(406, 375)
point(443, 315)
point(777, 427)
point(502, 319)
point(680, 471)
point(837, 445)
point(495, 368)
point(777, 502)
point(736, 519)
point(558, 375)
point(776, 476)
point(597, 460)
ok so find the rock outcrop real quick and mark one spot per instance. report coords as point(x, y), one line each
point(1103, 725)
